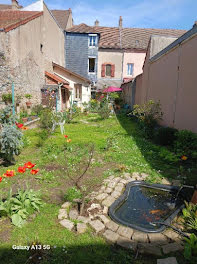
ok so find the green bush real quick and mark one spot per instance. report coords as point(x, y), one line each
point(168, 156)
point(72, 194)
point(7, 98)
point(37, 109)
point(186, 144)
point(190, 249)
point(46, 119)
point(190, 216)
point(165, 136)
point(104, 111)
point(6, 116)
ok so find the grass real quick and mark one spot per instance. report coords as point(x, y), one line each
point(118, 144)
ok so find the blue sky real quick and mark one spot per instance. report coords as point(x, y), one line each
point(179, 14)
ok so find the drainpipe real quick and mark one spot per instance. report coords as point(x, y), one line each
point(13, 108)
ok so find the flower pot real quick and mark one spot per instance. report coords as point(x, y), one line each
point(24, 119)
point(28, 104)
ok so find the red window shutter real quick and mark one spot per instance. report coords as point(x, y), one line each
point(113, 70)
point(103, 70)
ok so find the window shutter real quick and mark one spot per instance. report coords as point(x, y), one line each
point(113, 70)
point(103, 70)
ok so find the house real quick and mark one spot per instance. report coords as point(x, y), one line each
point(109, 55)
point(30, 40)
point(169, 75)
point(63, 18)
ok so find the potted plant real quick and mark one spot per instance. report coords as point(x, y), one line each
point(7, 98)
point(28, 96)
point(18, 99)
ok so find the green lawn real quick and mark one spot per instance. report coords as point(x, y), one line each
point(119, 147)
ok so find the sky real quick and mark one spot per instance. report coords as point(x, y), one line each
point(177, 14)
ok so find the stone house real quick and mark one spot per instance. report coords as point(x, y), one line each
point(30, 39)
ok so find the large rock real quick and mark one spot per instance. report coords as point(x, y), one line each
point(112, 226)
point(101, 196)
point(125, 232)
point(145, 248)
point(81, 228)
point(108, 201)
point(62, 214)
point(108, 190)
point(73, 214)
point(103, 218)
point(97, 225)
point(158, 239)
point(123, 181)
point(140, 237)
point(66, 205)
point(165, 181)
point(83, 219)
point(135, 175)
point(172, 247)
point(170, 260)
point(115, 194)
point(171, 234)
point(112, 184)
point(110, 236)
point(119, 188)
point(126, 243)
point(67, 224)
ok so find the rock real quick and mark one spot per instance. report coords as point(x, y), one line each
point(103, 218)
point(62, 214)
point(171, 234)
point(83, 219)
point(115, 194)
point(111, 184)
point(126, 175)
point(67, 224)
point(112, 226)
point(165, 181)
point(126, 243)
point(97, 225)
point(145, 248)
point(123, 181)
point(94, 206)
point(119, 188)
point(144, 176)
point(170, 260)
point(176, 183)
point(110, 236)
point(101, 196)
point(73, 214)
point(108, 190)
point(135, 175)
point(105, 210)
point(172, 247)
point(158, 239)
point(81, 228)
point(140, 237)
point(108, 201)
point(110, 178)
point(125, 232)
point(102, 188)
point(66, 205)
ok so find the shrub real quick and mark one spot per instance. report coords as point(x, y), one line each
point(190, 216)
point(168, 156)
point(10, 142)
point(186, 144)
point(72, 194)
point(104, 111)
point(37, 109)
point(165, 136)
point(7, 98)
point(46, 119)
point(190, 249)
point(6, 116)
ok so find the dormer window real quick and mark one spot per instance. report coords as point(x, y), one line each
point(92, 40)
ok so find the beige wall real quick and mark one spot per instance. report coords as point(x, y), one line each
point(135, 57)
point(172, 79)
point(110, 56)
point(70, 21)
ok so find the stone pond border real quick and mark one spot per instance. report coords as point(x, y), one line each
point(126, 237)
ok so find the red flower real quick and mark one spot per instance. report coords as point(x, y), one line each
point(34, 171)
point(9, 173)
point(19, 125)
point(65, 136)
point(1, 179)
point(29, 165)
point(21, 169)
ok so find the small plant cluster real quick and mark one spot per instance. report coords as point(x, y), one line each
point(7, 98)
point(91, 106)
point(18, 207)
point(21, 169)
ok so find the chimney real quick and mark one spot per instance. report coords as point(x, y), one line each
point(120, 22)
point(15, 4)
point(96, 23)
point(195, 24)
point(70, 10)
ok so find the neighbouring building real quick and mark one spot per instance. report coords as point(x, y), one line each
point(109, 55)
point(169, 76)
point(30, 40)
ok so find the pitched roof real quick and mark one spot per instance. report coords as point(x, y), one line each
point(11, 19)
point(62, 17)
point(71, 72)
point(57, 79)
point(126, 38)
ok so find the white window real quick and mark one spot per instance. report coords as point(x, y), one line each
point(92, 40)
point(130, 68)
point(91, 63)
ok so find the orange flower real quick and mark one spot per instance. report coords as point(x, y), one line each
point(24, 128)
point(65, 136)
point(9, 173)
point(29, 165)
point(34, 171)
point(21, 169)
point(68, 140)
point(184, 157)
point(1, 179)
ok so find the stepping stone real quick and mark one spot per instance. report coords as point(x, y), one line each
point(73, 214)
point(126, 243)
point(115, 194)
point(172, 247)
point(67, 224)
point(145, 248)
point(171, 260)
point(101, 196)
point(66, 205)
point(81, 228)
point(103, 218)
point(140, 237)
point(83, 219)
point(62, 214)
point(108, 190)
point(112, 226)
point(108, 201)
point(97, 225)
point(110, 236)
point(125, 232)
point(171, 234)
point(158, 239)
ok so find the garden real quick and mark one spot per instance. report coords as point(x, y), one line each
point(44, 167)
